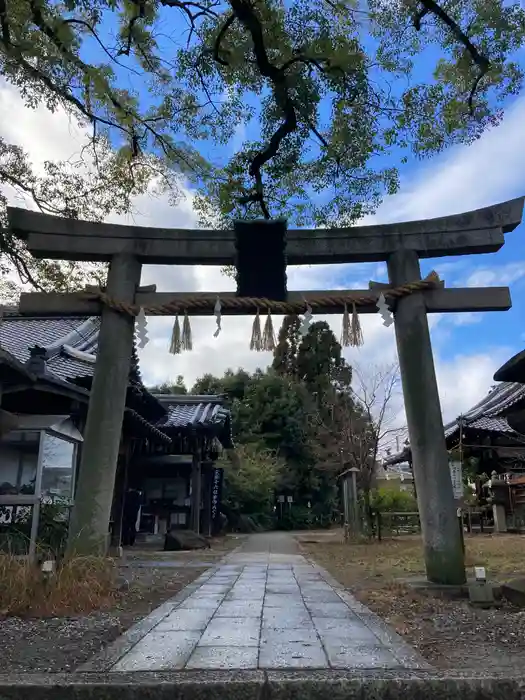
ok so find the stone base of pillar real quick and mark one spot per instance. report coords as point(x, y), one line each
point(500, 518)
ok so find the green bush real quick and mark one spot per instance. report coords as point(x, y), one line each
point(264, 521)
point(250, 477)
point(303, 518)
point(386, 500)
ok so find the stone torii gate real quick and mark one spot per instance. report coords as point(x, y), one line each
point(127, 248)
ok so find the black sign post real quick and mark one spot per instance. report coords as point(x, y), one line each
point(216, 500)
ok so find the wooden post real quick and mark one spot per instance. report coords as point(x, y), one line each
point(195, 491)
point(444, 557)
point(119, 497)
point(89, 527)
point(346, 504)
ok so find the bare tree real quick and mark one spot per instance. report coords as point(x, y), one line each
point(377, 391)
point(353, 426)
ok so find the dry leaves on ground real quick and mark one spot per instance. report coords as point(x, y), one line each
point(449, 633)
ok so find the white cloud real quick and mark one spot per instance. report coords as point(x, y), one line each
point(465, 380)
point(488, 171)
point(502, 275)
point(466, 178)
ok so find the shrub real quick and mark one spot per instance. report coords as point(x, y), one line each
point(265, 521)
point(52, 532)
point(250, 477)
point(303, 518)
point(387, 500)
point(79, 585)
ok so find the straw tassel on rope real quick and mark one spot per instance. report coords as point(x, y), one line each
point(176, 341)
point(356, 334)
point(256, 341)
point(345, 330)
point(217, 312)
point(186, 340)
point(268, 337)
point(351, 333)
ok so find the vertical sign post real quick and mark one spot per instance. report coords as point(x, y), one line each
point(216, 499)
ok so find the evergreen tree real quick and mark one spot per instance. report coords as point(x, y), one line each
point(320, 362)
point(287, 348)
point(208, 385)
point(179, 387)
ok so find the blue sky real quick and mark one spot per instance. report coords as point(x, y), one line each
point(468, 348)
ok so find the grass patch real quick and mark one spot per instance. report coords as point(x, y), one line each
point(79, 585)
point(361, 563)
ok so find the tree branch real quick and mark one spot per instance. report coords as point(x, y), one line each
point(480, 60)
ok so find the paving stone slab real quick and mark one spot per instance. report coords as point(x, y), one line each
point(108, 656)
point(222, 580)
point(209, 589)
point(339, 610)
point(186, 619)
point(306, 633)
point(321, 597)
point(158, 651)
point(223, 658)
point(231, 632)
point(243, 608)
point(361, 656)
point(283, 600)
point(335, 631)
point(277, 617)
point(249, 597)
point(293, 655)
point(196, 601)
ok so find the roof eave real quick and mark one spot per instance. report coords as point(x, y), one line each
point(513, 370)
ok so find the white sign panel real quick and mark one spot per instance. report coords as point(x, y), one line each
point(456, 475)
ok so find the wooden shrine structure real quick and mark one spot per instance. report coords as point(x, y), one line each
point(401, 245)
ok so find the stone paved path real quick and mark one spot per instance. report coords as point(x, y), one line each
point(264, 607)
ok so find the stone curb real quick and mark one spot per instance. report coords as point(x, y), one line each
point(259, 685)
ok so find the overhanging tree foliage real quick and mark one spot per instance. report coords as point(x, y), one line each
point(322, 88)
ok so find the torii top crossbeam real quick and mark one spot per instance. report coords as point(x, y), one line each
point(480, 231)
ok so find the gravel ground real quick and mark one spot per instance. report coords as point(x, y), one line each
point(451, 634)
point(62, 644)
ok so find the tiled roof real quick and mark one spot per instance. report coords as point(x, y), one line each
point(195, 415)
point(66, 339)
point(15, 368)
point(487, 415)
point(18, 334)
point(146, 426)
point(194, 412)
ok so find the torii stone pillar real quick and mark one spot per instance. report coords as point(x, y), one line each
point(444, 556)
point(88, 528)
